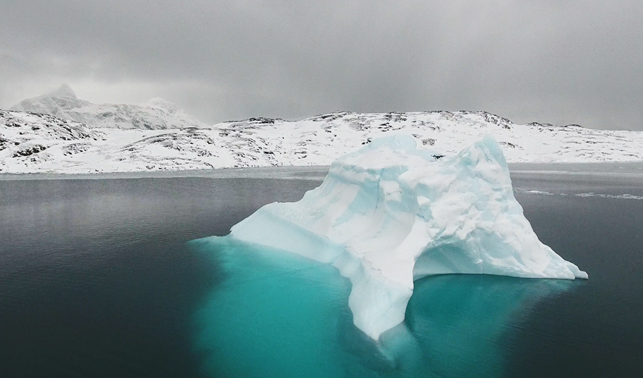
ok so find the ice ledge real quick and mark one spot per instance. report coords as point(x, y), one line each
point(391, 213)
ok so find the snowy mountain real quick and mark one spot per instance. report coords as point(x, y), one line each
point(155, 114)
point(43, 143)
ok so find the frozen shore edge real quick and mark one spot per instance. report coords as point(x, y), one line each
point(318, 172)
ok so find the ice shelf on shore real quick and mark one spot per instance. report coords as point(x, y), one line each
point(391, 213)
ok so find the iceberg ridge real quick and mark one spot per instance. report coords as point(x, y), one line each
point(391, 213)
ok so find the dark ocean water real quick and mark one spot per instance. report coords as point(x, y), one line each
point(106, 278)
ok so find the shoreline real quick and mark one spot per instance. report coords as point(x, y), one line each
point(317, 172)
point(288, 172)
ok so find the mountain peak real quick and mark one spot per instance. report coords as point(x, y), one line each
point(63, 91)
point(160, 103)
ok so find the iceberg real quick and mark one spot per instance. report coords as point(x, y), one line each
point(391, 213)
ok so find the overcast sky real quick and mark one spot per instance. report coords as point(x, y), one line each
point(559, 61)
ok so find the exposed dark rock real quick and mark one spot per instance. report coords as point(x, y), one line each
point(29, 151)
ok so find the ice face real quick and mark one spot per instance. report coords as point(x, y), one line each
point(391, 213)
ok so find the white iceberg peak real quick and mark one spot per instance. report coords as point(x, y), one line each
point(391, 213)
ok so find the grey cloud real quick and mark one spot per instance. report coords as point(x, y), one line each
point(551, 61)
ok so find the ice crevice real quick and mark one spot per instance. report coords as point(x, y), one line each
point(391, 213)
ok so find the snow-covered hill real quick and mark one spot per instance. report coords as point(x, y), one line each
point(43, 143)
point(320, 139)
point(155, 114)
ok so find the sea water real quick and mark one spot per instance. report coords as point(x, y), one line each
point(121, 277)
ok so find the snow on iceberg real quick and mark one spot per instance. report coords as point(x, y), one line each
point(391, 213)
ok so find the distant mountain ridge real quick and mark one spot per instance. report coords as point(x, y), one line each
point(33, 142)
point(154, 115)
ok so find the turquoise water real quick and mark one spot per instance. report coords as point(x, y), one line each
point(281, 315)
point(276, 314)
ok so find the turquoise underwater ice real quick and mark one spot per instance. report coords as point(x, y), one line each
point(278, 314)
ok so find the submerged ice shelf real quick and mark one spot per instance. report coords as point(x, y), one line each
point(391, 213)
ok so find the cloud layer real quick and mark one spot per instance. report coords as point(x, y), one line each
point(551, 61)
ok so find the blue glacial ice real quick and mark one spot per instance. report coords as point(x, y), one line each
point(391, 213)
